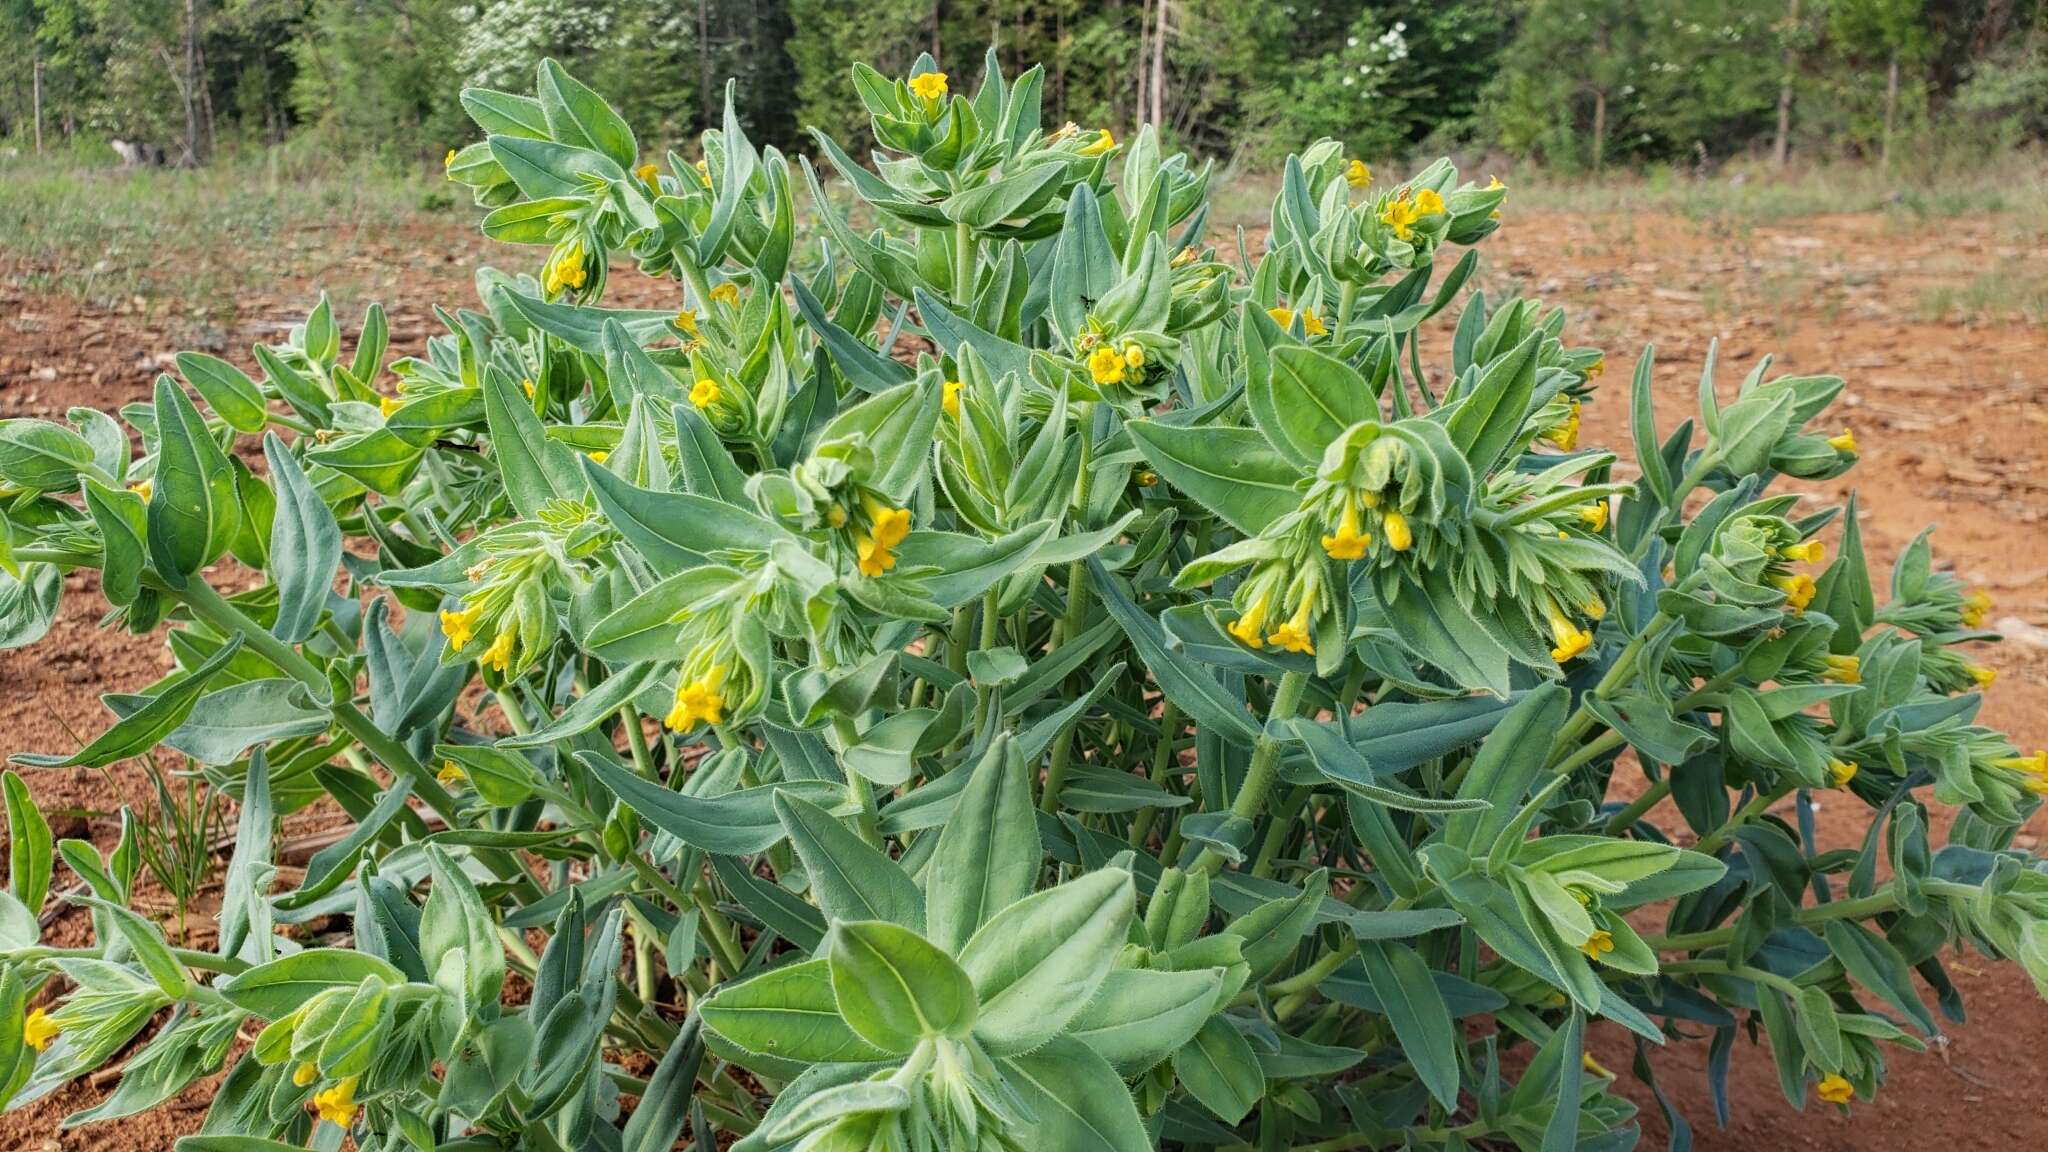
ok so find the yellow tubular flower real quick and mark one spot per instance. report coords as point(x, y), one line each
point(1981, 674)
point(499, 655)
point(1493, 184)
point(304, 1074)
point(704, 172)
point(1312, 324)
point(836, 516)
point(460, 626)
point(1251, 623)
point(450, 776)
point(337, 1105)
point(527, 386)
point(1148, 478)
point(386, 405)
point(1571, 639)
point(1106, 366)
point(1976, 607)
point(700, 701)
point(1846, 442)
point(1295, 635)
point(1399, 538)
point(1401, 216)
point(1840, 772)
point(1103, 142)
point(1843, 669)
point(1835, 1090)
point(874, 556)
point(950, 398)
point(448, 161)
point(1595, 609)
point(649, 175)
point(1134, 355)
point(891, 525)
point(928, 85)
point(1284, 317)
point(599, 456)
point(2035, 765)
point(1566, 435)
point(1811, 552)
point(687, 321)
point(704, 393)
point(1798, 589)
point(1596, 369)
point(726, 293)
point(1594, 1067)
point(1600, 943)
point(1347, 543)
point(1595, 516)
point(1428, 203)
point(1357, 174)
point(143, 489)
point(38, 1030)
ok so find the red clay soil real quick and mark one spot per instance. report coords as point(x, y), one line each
point(1950, 419)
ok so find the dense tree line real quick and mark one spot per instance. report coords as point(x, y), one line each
point(1576, 84)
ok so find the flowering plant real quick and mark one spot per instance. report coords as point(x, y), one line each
point(1016, 677)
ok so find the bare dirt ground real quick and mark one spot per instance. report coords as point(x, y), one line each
point(1950, 418)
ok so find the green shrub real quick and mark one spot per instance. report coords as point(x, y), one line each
point(1157, 714)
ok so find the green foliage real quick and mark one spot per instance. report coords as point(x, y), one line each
point(1152, 712)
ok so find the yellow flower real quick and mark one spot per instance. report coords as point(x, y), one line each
point(1595, 516)
point(1840, 772)
point(1399, 537)
point(1975, 608)
point(1401, 216)
point(1571, 639)
point(1843, 669)
point(649, 175)
point(1103, 142)
point(389, 404)
point(1183, 258)
point(499, 654)
point(1600, 943)
point(1981, 674)
point(1312, 324)
point(1134, 355)
point(1428, 203)
point(699, 701)
point(1835, 1090)
point(874, 556)
point(704, 172)
point(1347, 543)
point(599, 456)
point(704, 393)
point(460, 626)
point(1846, 442)
point(1284, 317)
point(337, 1105)
point(2036, 765)
point(1493, 184)
point(1798, 589)
point(726, 293)
point(950, 398)
point(687, 321)
point(1357, 174)
point(1595, 609)
point(1811, 552)
point(928, 85)
point(1105, 365)
point(1294, 636)
point(836, 516)
point(448, 161)
point(1566, 435)
point(143, 489)
point(567, 270)
point(38, 1030)
point(890, 525)
point(450, 776)
point(527, 387)
point(304, 1074)
point(1251, 623)
point(1594, 1067)
point(1596, 369)
point(1147, 478)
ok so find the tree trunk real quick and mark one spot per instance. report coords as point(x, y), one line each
point(191, 85)
point(1144, 50)
point(1159, 66)
point(1891, 108)
point(704, 62)
point(1781, 145)
point(38, 85)
point(1599, 129)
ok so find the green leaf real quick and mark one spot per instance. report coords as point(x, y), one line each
point(1038, 962)
point(1220, 1069)
point(676, 530)
point(1307, 401)
point(193, 512)
point(17, 1059)
point(460, 940)
point(1080, 1103)
point(305, 547)
point(988, 852)
point(30, 859)
point(227, 390)
point(1410, 1000)
point(738, 823)
point(224, 724)
point(1233, 472)
point(576, 115)
point(1433, 624)
point(665, 1106)
point(277, 989)
point(535, 468)
point(123, 521)
point(894, 988)
point(1506, 766)
point(1878, 966)
point(1489, 421)
point(953, 332)
point(1186, 683)
point(142, 729)
point(789, 1013)
point(1140, 1017)
point(850, 879)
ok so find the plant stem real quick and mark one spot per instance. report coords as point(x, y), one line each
point(1712, 841)
point(1620, 821)
point(1265, 766)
